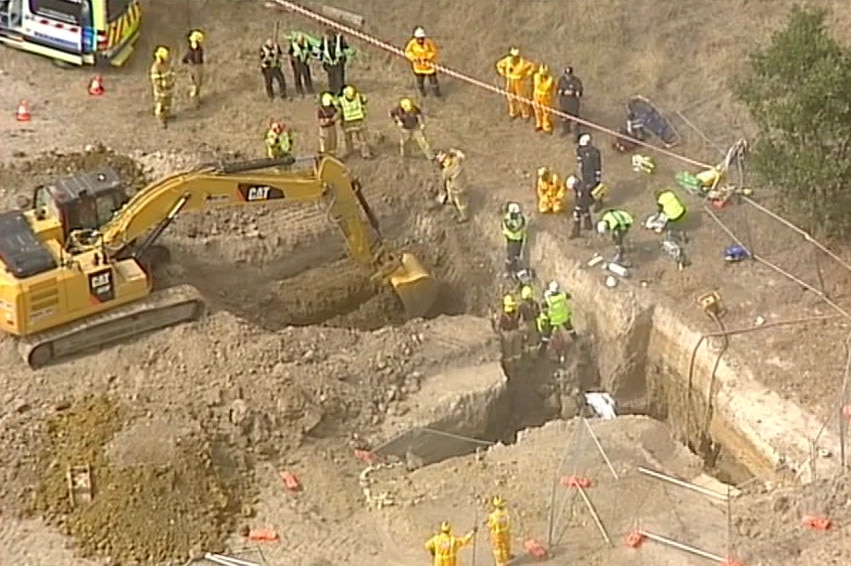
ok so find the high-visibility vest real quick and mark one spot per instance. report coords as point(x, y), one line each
point(514, 230)
point(417, 53)
point(671, 205)
point(514, 70)
point(326, 51)
point(498, 522)
point(543, 324)
point(558, 308)
point(617, 220)
point(301, 52)
point(352, 109)
point(445, 548)
point(544, 85)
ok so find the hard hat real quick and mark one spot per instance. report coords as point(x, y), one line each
point(445, 527)
point(602, 227)
point(299, 37)
point(498, 501)
point(526, 292)
point(572, 181)
point(276, 126)
point(196, 36)
point(440, 155)
point(509, 302)
point(407, 104)
point(568, 70)
point(513, 208)
point(327, 99)
point(514, 52)
point(553, 287)
point(419, 33)
point(349, 92)
point(542, 171)
point(161, 53)
point(543, 69)
point(269, 42)
point(584, 140)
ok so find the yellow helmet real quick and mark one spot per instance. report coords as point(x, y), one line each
point(161, 53)
point(514, 52)
point(509, 303)
point(327, 99)
point(196, 36)
point(542, 171)
point(407, 104)
point(498, 502)
point(525, 294)
point(445, 527)
point(543, 69)
point(349, 92)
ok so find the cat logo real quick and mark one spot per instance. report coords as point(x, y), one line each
point(260, 193)
point(101, 286)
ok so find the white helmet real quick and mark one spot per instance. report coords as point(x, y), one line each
point(553, 287)
point(584, 140)
point(602, 227)
point(572, 182)
point(542, 171)
point(419, 33)
point(513, 208)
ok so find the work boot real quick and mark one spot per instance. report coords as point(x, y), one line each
point(574, 230)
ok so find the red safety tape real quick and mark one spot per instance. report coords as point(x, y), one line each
point(390, 48)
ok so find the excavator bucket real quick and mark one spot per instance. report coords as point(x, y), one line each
point(415, 286)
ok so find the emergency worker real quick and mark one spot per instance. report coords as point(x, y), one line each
point(444, 546)
point(453, 180)
point(300, 51)
point(162, 83)
point(668, 203)
point(422, 52)
point(570, 91)
point(516, 71)
point(499, 525)
point(582, 203)
point(589, 163)
point(410, 121)
point(529, 309)
point(544, 328)
point(544, 92)
point(559, 309)
point(334, 54)
point(514, 230)
point(550, 190)
point(327, 115)
point(194, 58)
point(508, 326)
point(279, 141)
point(270, 65)
point(618, 223)
point(353, 109)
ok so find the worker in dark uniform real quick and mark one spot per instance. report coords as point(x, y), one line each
point(589, 164)
point(528, 310)
point(582, 203)
point(270, 64)
point(194, 58)
point(569, 91)
point(300, 52)
point(514, 231)
point(334, 54)
point(508, 327)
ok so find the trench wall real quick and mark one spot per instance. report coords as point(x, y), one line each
point(644, 349)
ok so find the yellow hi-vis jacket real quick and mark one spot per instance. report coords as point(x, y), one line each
point(444, 547)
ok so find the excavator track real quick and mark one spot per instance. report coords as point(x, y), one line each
point(168, 307)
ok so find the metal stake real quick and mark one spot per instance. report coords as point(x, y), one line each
point(684, 547)
point(683, 484)
point(594, 514)
point(600, 449)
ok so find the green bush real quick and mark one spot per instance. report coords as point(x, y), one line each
point(798, 91)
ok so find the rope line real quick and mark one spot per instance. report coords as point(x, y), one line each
point(390, 48)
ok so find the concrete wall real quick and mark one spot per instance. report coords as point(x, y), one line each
point(644, 353)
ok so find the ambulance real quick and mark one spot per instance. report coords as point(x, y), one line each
point(72, 32)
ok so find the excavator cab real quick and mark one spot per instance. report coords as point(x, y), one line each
point(86, 201)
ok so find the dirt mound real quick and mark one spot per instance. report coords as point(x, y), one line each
point(163, 508)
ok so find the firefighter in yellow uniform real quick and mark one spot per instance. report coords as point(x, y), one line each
point(499, 526)
point(516, 71)
point(353, 109)
point(444, 546)
point(279, 141)
point(551, 191)
point(544, 94)
point(162, 82)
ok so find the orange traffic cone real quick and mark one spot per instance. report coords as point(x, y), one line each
point(23, 114)
point(96, 86)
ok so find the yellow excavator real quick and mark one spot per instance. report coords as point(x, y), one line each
point(74, 263)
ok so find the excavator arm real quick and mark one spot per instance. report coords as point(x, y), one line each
point(152, 209)
point(149, 212)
